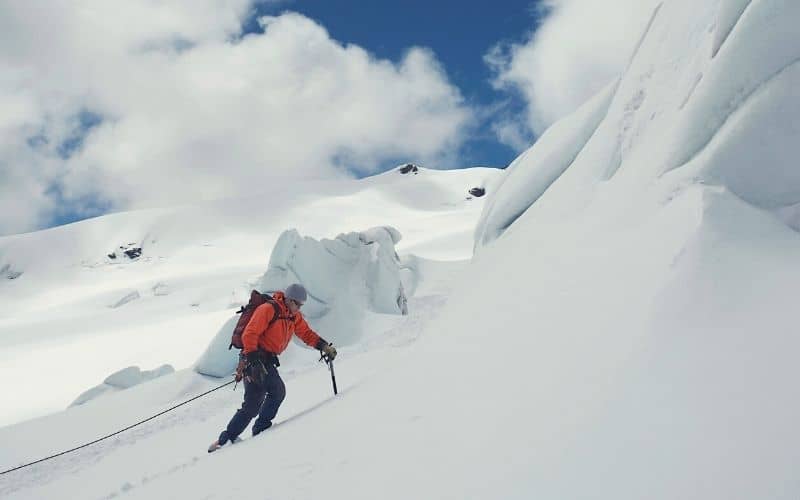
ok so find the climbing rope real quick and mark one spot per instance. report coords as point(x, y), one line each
point(118, 432)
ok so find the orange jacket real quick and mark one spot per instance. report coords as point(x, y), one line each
point(274, 339)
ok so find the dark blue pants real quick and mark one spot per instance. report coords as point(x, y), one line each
point(262, 400)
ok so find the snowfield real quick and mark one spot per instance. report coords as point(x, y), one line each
point(77, 311)
point(625, 329)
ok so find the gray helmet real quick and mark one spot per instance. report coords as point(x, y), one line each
point(296, 292)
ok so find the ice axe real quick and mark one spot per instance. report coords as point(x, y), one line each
point(329, 362)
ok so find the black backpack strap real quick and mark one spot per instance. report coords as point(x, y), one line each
point(277, 308)
point(273, 358)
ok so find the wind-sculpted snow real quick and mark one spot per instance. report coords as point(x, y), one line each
point(123, 379)
point(716, 98)
point(656, 275)
point(728, 15)
point(755, 153)
point(529, 176)
point(763, 44)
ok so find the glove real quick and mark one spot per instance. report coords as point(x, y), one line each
point(254, 370)
point(329, 351)
point(240, 370)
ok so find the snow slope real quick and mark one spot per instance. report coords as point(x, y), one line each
point(625, 330)
point(661, 269)
point(197, 267)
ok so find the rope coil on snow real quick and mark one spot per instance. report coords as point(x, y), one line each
point(118, 432)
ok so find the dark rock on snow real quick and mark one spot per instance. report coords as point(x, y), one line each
point(130, 251)
point(409, 168)
point(133, 253)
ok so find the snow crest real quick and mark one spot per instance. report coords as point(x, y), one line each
point(122, 379)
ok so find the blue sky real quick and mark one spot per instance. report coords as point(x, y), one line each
point(136, 97)
point(458, 32)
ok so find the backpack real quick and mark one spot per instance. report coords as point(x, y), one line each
point(256, 299)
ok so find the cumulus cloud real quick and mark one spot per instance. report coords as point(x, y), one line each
point(147, 102)
point(580, 46)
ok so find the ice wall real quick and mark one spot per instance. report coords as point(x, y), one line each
point(345, 277)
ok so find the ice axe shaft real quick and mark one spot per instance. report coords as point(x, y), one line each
point(333, 377)
point(329, 362)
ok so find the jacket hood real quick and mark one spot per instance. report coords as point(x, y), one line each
point(280, 298)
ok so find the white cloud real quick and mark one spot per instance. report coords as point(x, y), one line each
point(192, 111)
point(580, 47)
point(512, 132)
